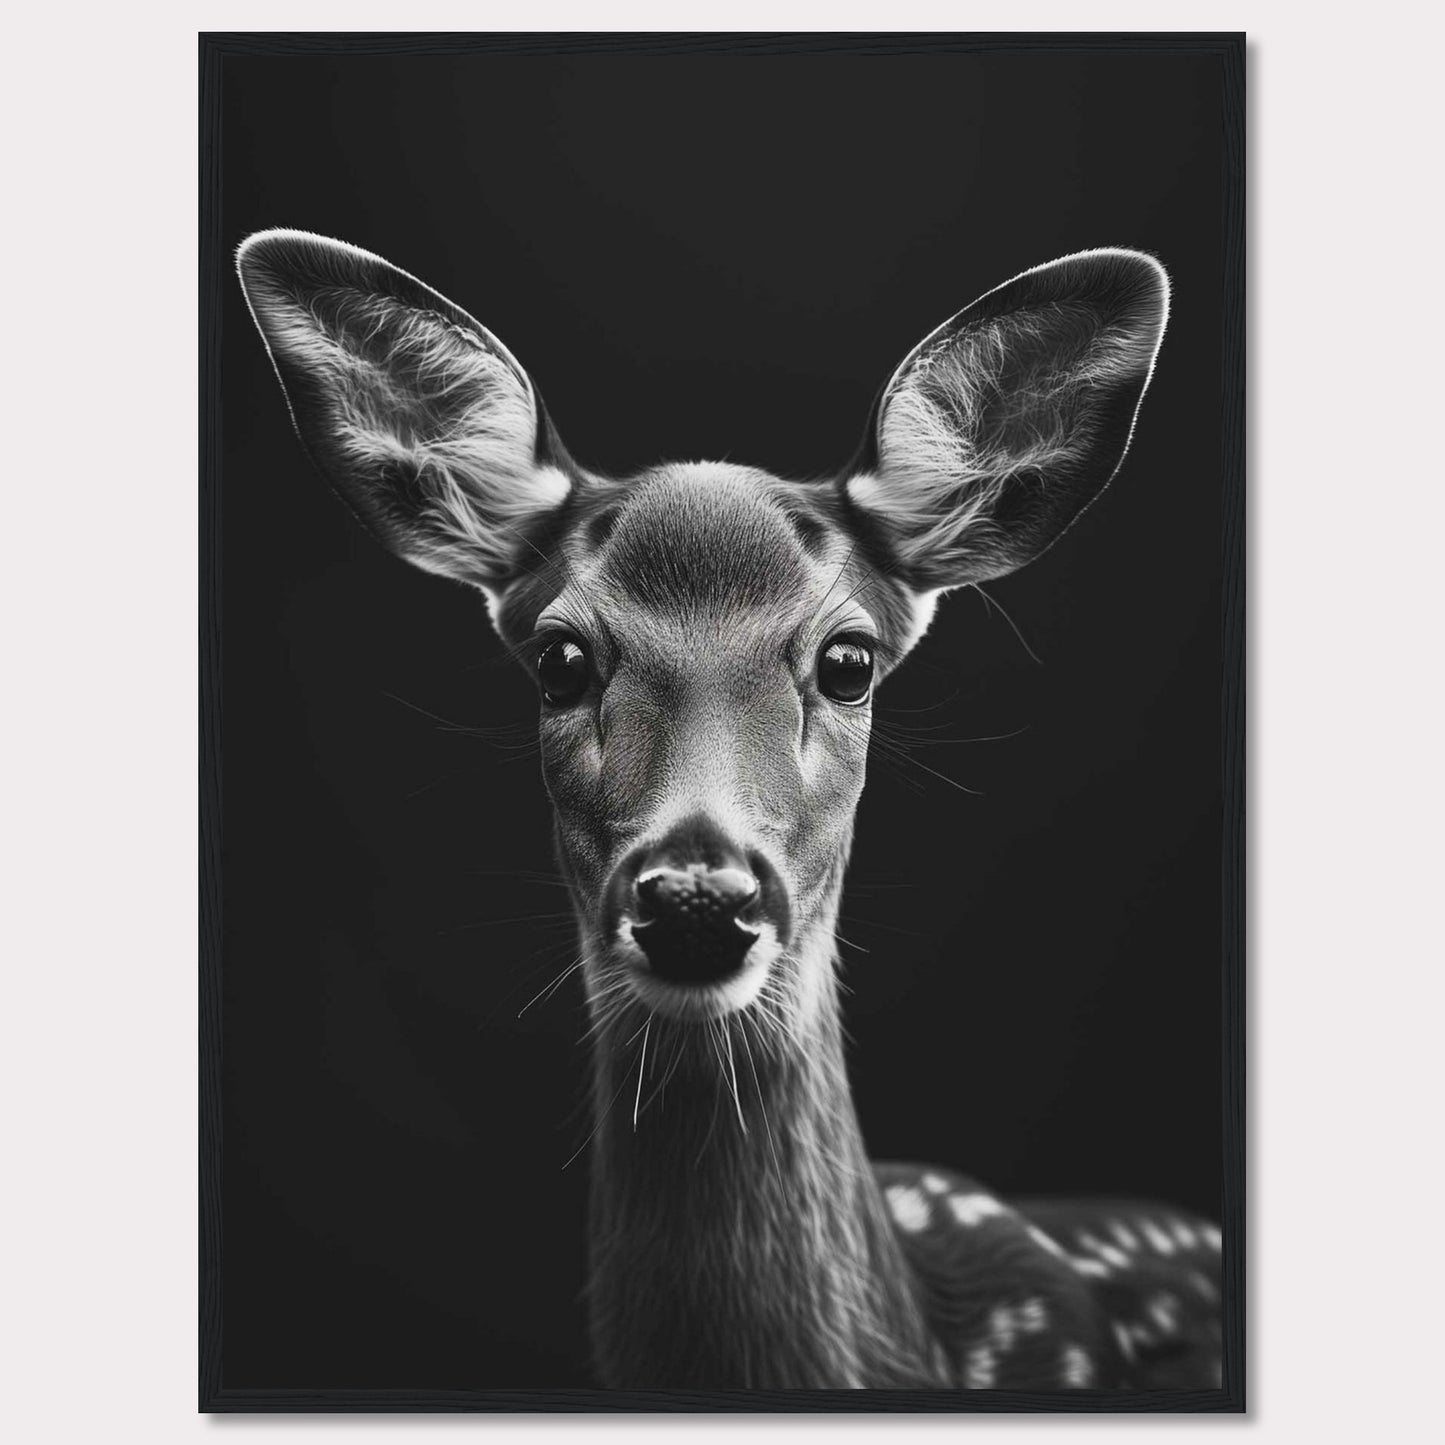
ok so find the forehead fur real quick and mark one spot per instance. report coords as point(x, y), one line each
point(704, 537)
point(709, 538)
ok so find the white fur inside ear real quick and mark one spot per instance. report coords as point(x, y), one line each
point(1017, 400)
point(867, 492)
point(925, 604)
point(408, 391)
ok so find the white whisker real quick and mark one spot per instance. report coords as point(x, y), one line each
point(637, 1102)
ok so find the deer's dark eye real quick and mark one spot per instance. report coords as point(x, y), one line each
point(563, 672)
point(845, 671)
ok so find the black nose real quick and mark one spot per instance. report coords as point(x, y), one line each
point(689, 924)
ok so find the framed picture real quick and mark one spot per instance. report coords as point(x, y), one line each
point(617, 451)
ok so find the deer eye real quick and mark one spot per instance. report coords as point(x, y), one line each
point(845, 671)
point(563, 672)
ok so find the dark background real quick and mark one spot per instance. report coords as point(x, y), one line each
point(700, 256)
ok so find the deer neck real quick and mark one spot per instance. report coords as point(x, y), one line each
point(739, 1241)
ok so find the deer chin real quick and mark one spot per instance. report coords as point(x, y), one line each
point(693, 1002)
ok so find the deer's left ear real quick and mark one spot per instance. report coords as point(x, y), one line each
point(1005, 423)
point(421, 420)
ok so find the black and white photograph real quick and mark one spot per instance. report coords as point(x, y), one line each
point(762, 755)
point(723, 558)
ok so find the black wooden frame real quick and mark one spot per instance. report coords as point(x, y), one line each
point(214, 274)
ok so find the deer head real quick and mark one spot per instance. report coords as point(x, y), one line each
point(706, 638)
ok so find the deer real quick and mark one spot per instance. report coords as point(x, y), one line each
point(706, 639)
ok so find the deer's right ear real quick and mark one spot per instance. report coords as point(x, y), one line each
point(419, 417)
point(1002, 426)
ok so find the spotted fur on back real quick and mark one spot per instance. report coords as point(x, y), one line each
point(1059, 1294)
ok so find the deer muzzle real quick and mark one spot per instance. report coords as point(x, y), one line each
point(697, 903)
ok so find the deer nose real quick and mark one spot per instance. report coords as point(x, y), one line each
point(689, 921)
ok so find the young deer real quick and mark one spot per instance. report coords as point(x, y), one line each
point(706, 639)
